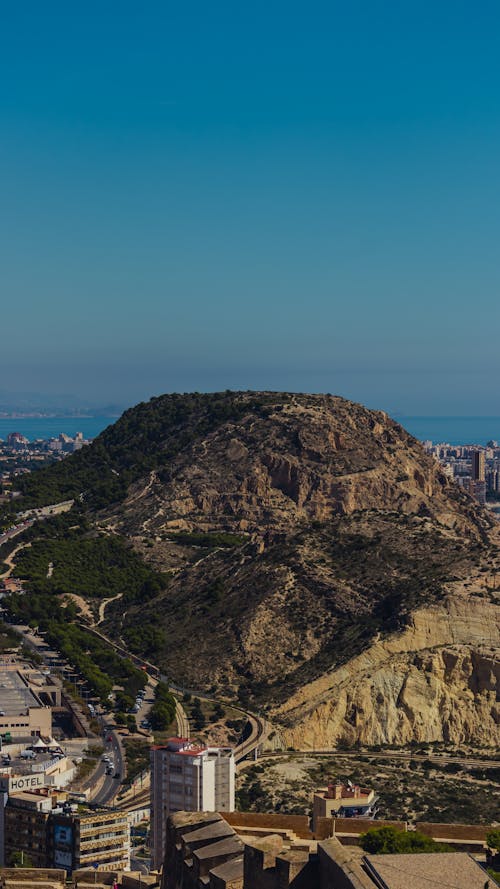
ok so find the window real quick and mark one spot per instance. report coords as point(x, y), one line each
point(175, 787)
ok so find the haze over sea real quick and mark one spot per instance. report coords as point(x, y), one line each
point(454, 430)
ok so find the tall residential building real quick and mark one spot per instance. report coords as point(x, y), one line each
point(477, 466)
point(189, 777)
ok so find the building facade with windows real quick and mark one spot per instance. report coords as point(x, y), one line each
point(50, 835)
point(188, 777)
point(343, 801)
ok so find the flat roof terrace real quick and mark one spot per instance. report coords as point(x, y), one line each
point(15, 695)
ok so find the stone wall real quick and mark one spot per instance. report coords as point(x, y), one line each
point(30, 876)
point(298, 824)
point(203, 851)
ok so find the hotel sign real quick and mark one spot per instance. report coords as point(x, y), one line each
point(21, 783)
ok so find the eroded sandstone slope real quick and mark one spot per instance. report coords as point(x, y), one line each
point(437, 680)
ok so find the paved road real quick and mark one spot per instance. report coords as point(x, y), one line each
point(111, 785)
point(17, 529)
point(181, 719)
point(258, 727)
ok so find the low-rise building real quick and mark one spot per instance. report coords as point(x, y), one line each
point(457, 869)
point(343, 801)
point(96, 839)
point(45, 828)
point(26, 700)
point(204, 852)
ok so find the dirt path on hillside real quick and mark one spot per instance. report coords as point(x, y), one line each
point(9, 560)
point(102, 607)
point(81, 604)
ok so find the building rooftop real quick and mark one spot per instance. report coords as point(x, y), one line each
point(228, 846)
point(186, 747)
point(15, 695)
point(456, 870)
point(345, 791)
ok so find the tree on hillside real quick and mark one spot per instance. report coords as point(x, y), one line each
point(493, 839)
point(389, 841)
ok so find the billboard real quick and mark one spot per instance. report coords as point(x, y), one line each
point(63, 846)
point(63, 859)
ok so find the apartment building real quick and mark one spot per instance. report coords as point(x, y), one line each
point(51, 834)
point(189, 777)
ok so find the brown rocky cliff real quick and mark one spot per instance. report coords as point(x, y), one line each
point(306, 458)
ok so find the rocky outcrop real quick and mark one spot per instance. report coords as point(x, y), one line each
point(439, 680)
point(301, 458)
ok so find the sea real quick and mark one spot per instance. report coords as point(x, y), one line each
point(50, 427)
point(453, 430)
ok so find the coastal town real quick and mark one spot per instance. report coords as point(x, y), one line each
point(475, 468)
point(19, 454)
point(88, 782)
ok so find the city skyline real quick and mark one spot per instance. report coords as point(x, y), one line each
point(213, 199)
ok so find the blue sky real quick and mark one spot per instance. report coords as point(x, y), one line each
point(278, 195)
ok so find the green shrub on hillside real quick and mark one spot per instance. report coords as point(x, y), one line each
point(388, 841)
point(98, 567)
point(146, 437)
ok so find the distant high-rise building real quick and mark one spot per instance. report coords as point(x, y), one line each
point(477, 466)
point(186, 776)
point(17, 440)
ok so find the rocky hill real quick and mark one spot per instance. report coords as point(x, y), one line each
point(307, 542)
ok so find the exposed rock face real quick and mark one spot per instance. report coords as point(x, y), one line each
point(436, 681)
point(300, 458)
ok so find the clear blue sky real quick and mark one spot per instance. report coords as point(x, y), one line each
point(267, 195)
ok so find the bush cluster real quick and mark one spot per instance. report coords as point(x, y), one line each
point(162, 712)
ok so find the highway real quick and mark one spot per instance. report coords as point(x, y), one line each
point(33, 515)
point(258, 729)
point(182, 720)
point(256, 736)
point(110, 785)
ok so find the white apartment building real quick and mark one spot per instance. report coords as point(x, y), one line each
point(187, 777)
